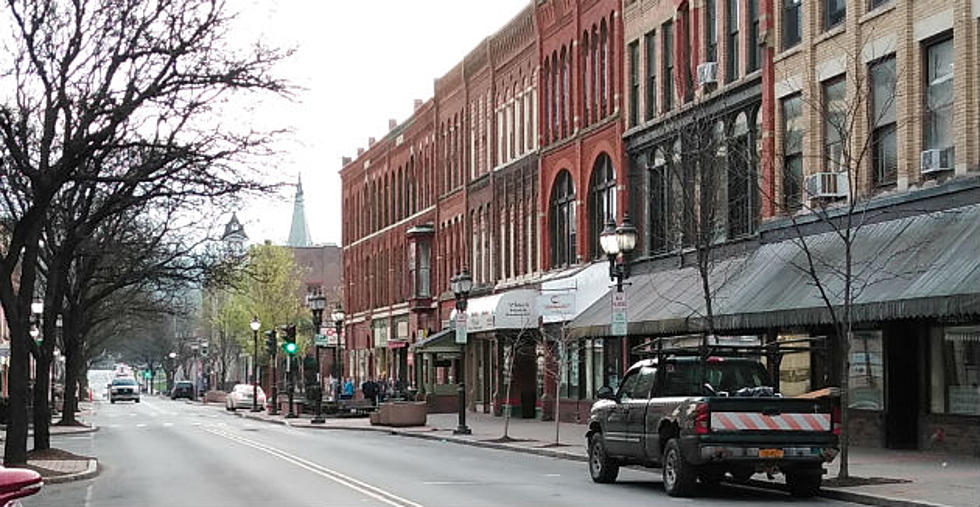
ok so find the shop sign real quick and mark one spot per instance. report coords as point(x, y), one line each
point(560, 305)
point(461, 328)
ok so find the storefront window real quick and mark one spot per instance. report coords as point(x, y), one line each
point(955, 358)
point(613, 358)
point(866, 378)
point(571, 357)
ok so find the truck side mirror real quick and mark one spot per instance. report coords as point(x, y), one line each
point(605, 393)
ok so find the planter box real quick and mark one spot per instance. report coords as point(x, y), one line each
point(398, 414)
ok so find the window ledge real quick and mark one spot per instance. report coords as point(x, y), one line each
point(788, 53)
point(878, 11)
point(830, 34)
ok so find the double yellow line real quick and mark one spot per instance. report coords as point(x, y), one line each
point(333, 475)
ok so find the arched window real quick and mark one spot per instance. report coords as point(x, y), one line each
point(563, 86)
point(602, 201)
point(546, 93)
point(586, 68)
point(595, 74)
point(562, 220)
point(554, 96)
point(603, 68)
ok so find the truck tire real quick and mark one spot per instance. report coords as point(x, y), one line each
point(680, 477)
point(602, 468)
point(804, 483)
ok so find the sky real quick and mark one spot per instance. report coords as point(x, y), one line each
point(358, 64)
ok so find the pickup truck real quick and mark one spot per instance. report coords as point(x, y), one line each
point(665, 417)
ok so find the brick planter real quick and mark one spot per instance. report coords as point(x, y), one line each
point(400, 413)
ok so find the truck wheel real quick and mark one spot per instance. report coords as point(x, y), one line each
point(804, 484)
point(602, 468)
point(112, 401)
point(742, 475)
point(680, 477)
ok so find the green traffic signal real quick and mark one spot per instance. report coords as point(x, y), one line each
point(147, 374)
point(289, 347)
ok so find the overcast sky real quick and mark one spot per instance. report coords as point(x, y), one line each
point(360, 63)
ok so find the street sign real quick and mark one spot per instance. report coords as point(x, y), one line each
point(461, 328)
point(320, 340)
point(617, 326)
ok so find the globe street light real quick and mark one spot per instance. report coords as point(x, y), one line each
point(338, 322)
point(461, 286)
point(255, 325)
point(316, 303)
point(617, 243)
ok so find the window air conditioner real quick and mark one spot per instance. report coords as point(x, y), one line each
point(934, 161)
point(707, 73)
point(827, 185)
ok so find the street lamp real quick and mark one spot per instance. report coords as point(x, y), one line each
point(618, 243)
point(255, 325)
point(338, 323)
point(317, 302)
point(461, 285)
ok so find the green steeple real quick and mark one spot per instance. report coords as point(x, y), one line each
point(299, 232)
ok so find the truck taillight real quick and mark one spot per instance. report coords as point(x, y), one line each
point(702, 419)
point(835, 420)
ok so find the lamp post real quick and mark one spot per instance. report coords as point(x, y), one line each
point(461, 285)
point(58, 323)
point(618, 243)
point(338, 323)
point(255, 325)
point(317, 302)
point(37, 308)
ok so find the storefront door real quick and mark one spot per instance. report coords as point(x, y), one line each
point(902, 352)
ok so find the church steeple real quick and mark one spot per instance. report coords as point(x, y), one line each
point(299, 233)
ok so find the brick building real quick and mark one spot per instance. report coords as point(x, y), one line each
point(848, 127)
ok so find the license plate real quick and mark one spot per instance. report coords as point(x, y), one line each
point(770, 453)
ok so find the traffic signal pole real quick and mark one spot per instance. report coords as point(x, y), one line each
point(289, 386)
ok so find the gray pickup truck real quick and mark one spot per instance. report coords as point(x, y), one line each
point(700, 424)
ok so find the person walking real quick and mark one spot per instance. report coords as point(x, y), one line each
point(348, 392)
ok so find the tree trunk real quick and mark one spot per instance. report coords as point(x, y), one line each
point(73, 373)
point(15, 442)
point(42, 412)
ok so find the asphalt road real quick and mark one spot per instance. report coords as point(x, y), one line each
point(171, 454)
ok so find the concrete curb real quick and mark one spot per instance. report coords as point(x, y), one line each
point(90, 472)
point(834, 494)
point(850, 496)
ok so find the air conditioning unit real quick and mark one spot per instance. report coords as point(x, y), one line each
point(827, 185)
point(934, 161)
point(707, 73)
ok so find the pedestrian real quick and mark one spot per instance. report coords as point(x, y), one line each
point(348, 389)
point(370, 390)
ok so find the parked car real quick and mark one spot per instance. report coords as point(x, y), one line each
point(182, 389)
point(663, 416)
point(242, 397)
point(124, 389)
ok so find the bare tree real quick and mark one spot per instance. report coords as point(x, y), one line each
point(122, 95)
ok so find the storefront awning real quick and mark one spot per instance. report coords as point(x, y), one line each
point(513, 309)
point(443, 341)
point(923, 266)
point(563, 299)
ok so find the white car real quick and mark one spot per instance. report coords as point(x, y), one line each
point(124, 389)
point(242, 396)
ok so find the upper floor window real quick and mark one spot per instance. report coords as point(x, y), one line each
point(833, 13)
point(602, 201)
point(874, 4)
point(835, 124)
point(651, 65)
point(711, 30)
point(792, 112)
point(884, 154)
point(634, 52)
point(661, 204)
point(562, 220)
point(938, 125)
point(668, 63)
point(755, 48)
point(732, 22)
point(792, 23)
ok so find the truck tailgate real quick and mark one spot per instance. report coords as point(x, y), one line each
point(743, 414)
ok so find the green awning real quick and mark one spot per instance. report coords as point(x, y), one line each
point(442, 342)
point(922, 266)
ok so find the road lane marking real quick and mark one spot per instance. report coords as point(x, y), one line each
point(141, 425)
point(327, 473)
point(450, 483)
point(168, 424)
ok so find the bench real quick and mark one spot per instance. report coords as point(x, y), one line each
point(349, 408)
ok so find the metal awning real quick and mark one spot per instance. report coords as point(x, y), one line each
point(443, 341)
point(926, 265)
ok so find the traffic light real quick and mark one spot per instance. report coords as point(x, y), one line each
point(289, 340)
point(270, 342)
point(204, 349)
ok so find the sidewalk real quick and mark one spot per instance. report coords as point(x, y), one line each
point(905, 478)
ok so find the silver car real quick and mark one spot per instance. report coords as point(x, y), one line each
point(124, 389)
point(242, 397)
